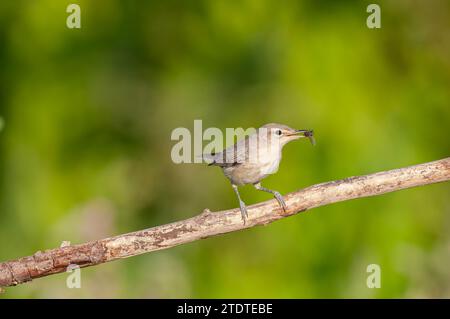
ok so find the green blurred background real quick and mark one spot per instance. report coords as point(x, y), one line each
point(86, 117)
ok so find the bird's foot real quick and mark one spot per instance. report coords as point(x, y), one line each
point(244, 213)
point(280, 200)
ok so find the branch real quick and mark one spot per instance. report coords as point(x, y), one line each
point(209, 224)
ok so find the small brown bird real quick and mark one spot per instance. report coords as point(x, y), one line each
point(255, 157)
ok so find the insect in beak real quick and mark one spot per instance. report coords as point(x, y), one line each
point(306, 133)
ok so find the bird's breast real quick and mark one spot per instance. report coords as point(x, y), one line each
point(270, 167)
point(251, 172)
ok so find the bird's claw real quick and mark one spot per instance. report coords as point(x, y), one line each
point(244, 213)
point(281, 201)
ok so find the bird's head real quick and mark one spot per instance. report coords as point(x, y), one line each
point(284, 134)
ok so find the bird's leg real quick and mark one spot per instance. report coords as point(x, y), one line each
point(277, 195)
point(241, 204)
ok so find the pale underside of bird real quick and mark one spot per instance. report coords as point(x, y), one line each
point(255, 157)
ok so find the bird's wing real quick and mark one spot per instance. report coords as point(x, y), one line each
point(232, 155)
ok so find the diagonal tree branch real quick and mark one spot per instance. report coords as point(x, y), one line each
point(209, 224)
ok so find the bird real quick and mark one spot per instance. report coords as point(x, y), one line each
point(255, 157)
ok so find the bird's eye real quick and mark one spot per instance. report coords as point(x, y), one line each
point(278, 132)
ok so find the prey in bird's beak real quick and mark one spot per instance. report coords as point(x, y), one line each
point(306, 133)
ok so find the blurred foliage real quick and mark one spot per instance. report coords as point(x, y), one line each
point(86, 117)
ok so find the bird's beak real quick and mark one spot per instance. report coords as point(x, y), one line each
point(305, 133)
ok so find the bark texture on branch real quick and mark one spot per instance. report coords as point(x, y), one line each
point(209, 224)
